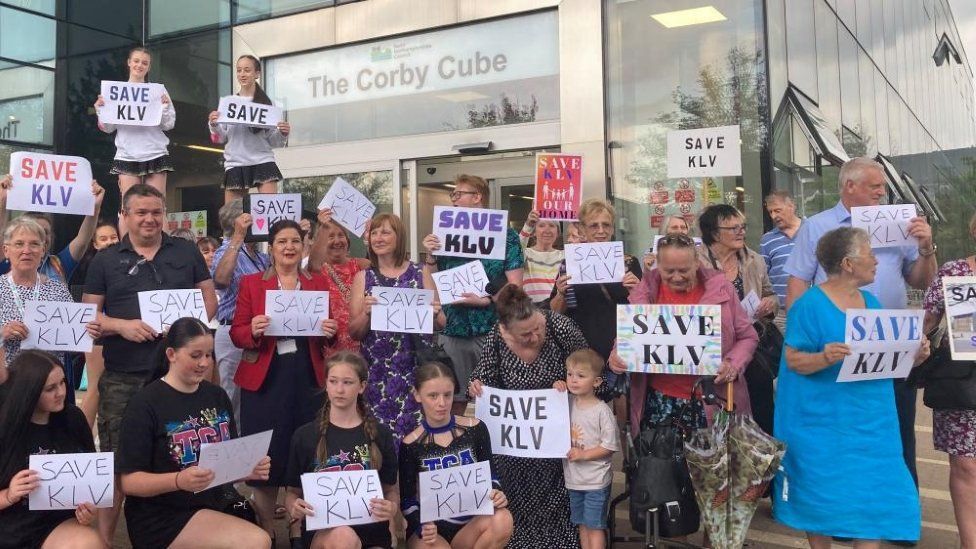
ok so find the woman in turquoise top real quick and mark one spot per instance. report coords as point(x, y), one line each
point(843, 474)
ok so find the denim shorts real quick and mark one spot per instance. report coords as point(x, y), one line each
point(589, 507)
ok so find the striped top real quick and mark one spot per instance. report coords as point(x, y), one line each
point(775, 248)
point(541, 269)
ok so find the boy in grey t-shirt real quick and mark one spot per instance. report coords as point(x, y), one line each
point(594, 440)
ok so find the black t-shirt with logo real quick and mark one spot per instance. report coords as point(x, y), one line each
point(66, 433)
point(161, 432)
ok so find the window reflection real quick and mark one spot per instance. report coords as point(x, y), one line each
point(26, 36)
point(26, 105)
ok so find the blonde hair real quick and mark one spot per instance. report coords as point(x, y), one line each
point(477, 183)
point(594, 206)
point(357, 363)
point(587, 358)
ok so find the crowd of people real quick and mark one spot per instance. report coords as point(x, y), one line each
point(352, 398)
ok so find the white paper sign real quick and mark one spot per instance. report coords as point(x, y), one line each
point(453, 283)
point(131, 103)
point(471, 232)
point(456, 492)
point(340, 498)
point(350, 208)
point(402, 310)
point(50, 183)
point(531, 424)
point(704, 152)
point(161, 308)
point(233, 459)
point(68, 480)
point(235, 110)
point(296, 313)
point(959, 293)
point(58, 326)
point(887, 225)
point(268, 208)
point(751, 304)
point(883, 343)
point(595, 262)
point(670, 339)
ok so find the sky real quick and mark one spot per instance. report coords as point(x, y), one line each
point(964, 12)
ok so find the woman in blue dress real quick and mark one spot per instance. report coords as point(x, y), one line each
point(843, 474)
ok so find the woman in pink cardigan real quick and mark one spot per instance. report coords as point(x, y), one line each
point(679, 279)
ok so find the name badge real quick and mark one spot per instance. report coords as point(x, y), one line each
point(286, 346)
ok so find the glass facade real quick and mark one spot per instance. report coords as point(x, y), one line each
point(703, 75)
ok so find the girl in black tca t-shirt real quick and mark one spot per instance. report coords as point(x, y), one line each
point(34, 419)
point(346, 437)
point(162, 429)
point(444, 440)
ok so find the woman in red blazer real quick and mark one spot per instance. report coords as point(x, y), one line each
point(280, 377)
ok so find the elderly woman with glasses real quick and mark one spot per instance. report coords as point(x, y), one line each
point(24, 244)
point(843, 474)
point(680, 279)
point(723, 230)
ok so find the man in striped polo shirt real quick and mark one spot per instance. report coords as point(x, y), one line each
point(776, 245)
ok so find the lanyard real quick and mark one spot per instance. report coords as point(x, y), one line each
point(17, 299)
point(259, 264)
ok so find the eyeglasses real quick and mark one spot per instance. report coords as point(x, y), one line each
point(455, 195)
point(135, 270)
point(736, 228)
point(32, 246)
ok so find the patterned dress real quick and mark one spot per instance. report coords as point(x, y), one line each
point(339, 279)
point(536, 488)
point(953, 431)
point(390, 357)
point(47, 289)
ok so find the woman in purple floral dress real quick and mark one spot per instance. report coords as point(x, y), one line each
point(954, 431)
point(390, 355)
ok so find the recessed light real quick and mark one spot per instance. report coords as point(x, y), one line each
point(684, 18)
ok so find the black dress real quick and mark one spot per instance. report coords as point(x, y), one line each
point(66, 433)
point(162, 430)
point(536, 489)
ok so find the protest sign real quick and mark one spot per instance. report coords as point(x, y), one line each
point(50, 183)
point(595, 262)
point(268, 208)
point(131, 103)
point(233, 459)
point(959, 293)
point(340, 498)
point(883, 343)
point(670, 339)
point(296, 313)
point(531, 424)
point(58, 326)
point(456, 492)
point(196, 221)
point(471, 232)
point(403, 310)
point(452, 284)
point(350, 208)
point(68, 480)
point(558, 185)
point(161, 308)
point(887, 225)
point(704, 152)
point(235, 110)
point(751, 304)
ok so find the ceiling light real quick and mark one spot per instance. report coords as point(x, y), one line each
point(207, 149)
point(694, 16)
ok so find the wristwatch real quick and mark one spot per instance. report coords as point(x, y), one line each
point(930, 251)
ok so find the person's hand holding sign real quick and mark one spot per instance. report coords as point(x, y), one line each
point(6, 182)
point(165, 99)
point(99, 193)
point(94, 328)
point(136, 330)
point(21, 485)
point(428, 533)
point(923, 352)
point(85, 514)
point(630, 281)
point(382, 509)
point(259, 324)
point(920, 229)
point(214, 115)
point(329, 327)
point(499, 499)
point(262, 471)
point(14, 330)
point(562, 282)
point(299, 509)
point(284, 128)
point(474, 388)
point(193, 479)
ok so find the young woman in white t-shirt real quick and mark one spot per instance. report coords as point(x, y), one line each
point(248, 159)
point(141, 154)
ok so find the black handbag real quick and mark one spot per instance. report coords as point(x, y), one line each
point(770, 348)
point(947, 384)
point(660, 480)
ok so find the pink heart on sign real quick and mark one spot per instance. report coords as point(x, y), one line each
point(259, 222)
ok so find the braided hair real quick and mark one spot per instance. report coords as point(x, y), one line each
point(357, 363)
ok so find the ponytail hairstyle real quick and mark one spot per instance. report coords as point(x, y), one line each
point(513, 305)
point(357, 363)
point(140, 49)
point(28, 375)
point(179, 335)
point(259, 94)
